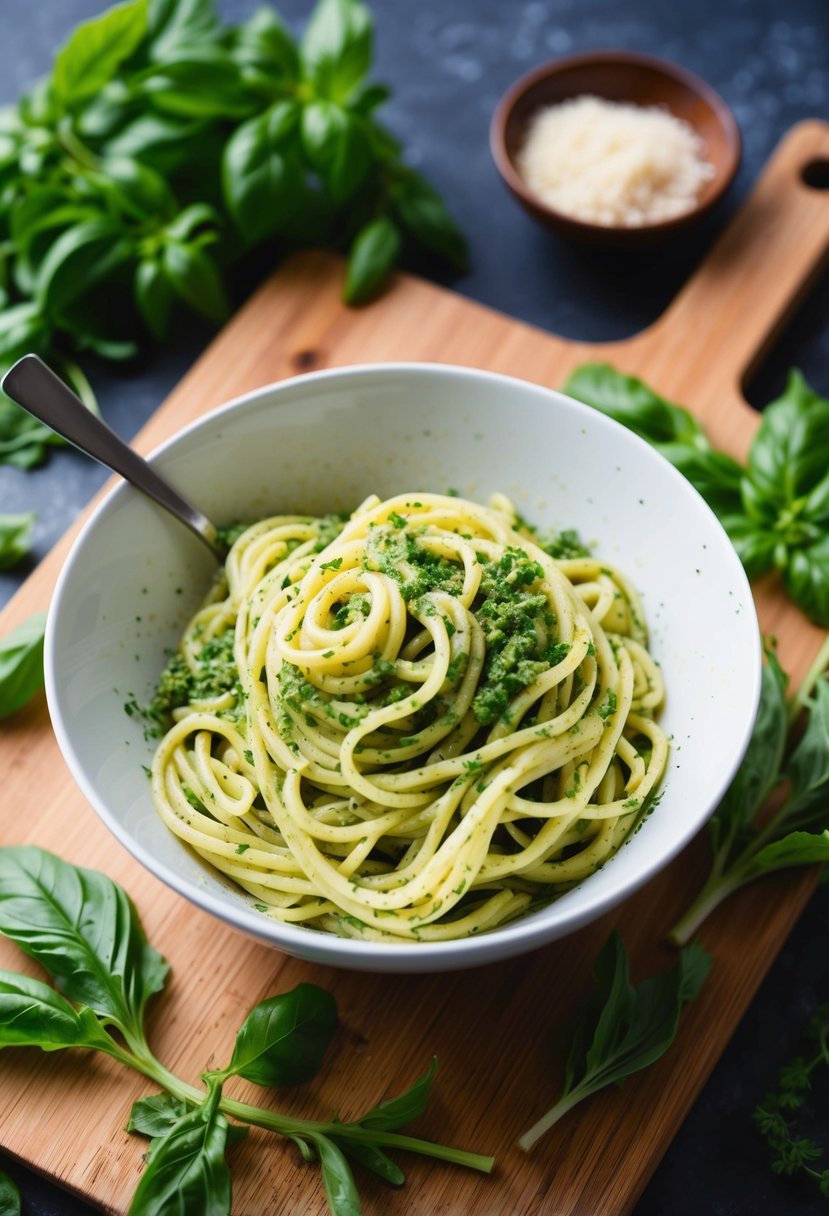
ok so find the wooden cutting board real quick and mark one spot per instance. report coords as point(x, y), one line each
point(493, 1030)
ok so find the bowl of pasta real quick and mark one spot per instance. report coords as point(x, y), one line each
point(430, 710)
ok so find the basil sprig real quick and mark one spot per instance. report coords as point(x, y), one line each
point(84, 931)
point(776, 509)
point(787, 760)
point(164, 147)
point(623, 1028)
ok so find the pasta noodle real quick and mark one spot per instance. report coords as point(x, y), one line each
point(414, 724)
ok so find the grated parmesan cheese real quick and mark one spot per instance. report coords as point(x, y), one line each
point(613, 164)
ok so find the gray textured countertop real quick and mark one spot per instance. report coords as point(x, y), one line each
point(448, 64)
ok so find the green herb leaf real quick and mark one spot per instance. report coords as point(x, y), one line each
point(186, 1169)
point(283, 1039)
point(373, 1159)
point(153, 297)
point(81, 256)
point(15, 538)
point(624, 1028)
point(193, 275)
point(157, 1115)
point(83, 929)
point(265, 44)
point(788, 455)
point(261, 179)
point(96, 50)
point(424, 217)
point(371, 260)
point(796, 849)
point(337, 146)
point(397, 1112)
point(174, 24)
point(806, 578)
point(337, 47)
point(33, 1015)
point(9, 1196)
point(759, 771)
point(639, 408)
point(21, 664)
point(337, 1178)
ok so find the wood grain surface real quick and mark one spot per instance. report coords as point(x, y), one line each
point(493, 1030)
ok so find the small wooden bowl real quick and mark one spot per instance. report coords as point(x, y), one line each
point(626, 77)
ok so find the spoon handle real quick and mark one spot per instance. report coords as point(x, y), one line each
point(36, 387)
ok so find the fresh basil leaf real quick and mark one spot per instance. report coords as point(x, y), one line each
point(265, 44)
point(176, 24)
point(158, 140)
point(194, 276)
point(95, 51)
point(261, 172)
point(135, 189)
point(368, 98)
point(759, 771)
point(807, 769)
point(337, 147)
point(806, 578)
point(23, 327)
point(21, 664)
point(754, 542)
point(153, 297)
point(83, 929)
point(789, 453)
point(9, 1197)
point(371, 1158)
point(33, 1015)
point(337, 47)
point(712, 474)
point(337, 1179)
point(815, 506)
point(636, 1025)
point(157, 1115)
point(371, 261)
point(192, 218)
point(283, 1039)
point(203, 82)
point(423, 216)
point(397, 1112)
point(186, 1169)
point(23, 440)
point(796, 849)
point(631, 402)
point(83, 255)
point(15, 538)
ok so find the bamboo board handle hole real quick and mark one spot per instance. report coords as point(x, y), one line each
point(766, 381)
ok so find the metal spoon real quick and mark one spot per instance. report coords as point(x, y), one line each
point(36, 387)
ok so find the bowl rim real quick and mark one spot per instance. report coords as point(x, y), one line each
point(516, 937)
point(696, 84)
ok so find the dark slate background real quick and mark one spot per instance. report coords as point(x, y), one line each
point(448, 62)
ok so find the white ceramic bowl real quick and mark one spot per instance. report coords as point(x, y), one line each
point(323, 442)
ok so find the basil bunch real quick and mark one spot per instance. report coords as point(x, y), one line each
point(776, 509)
point(84, 931)
point(163, 148)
